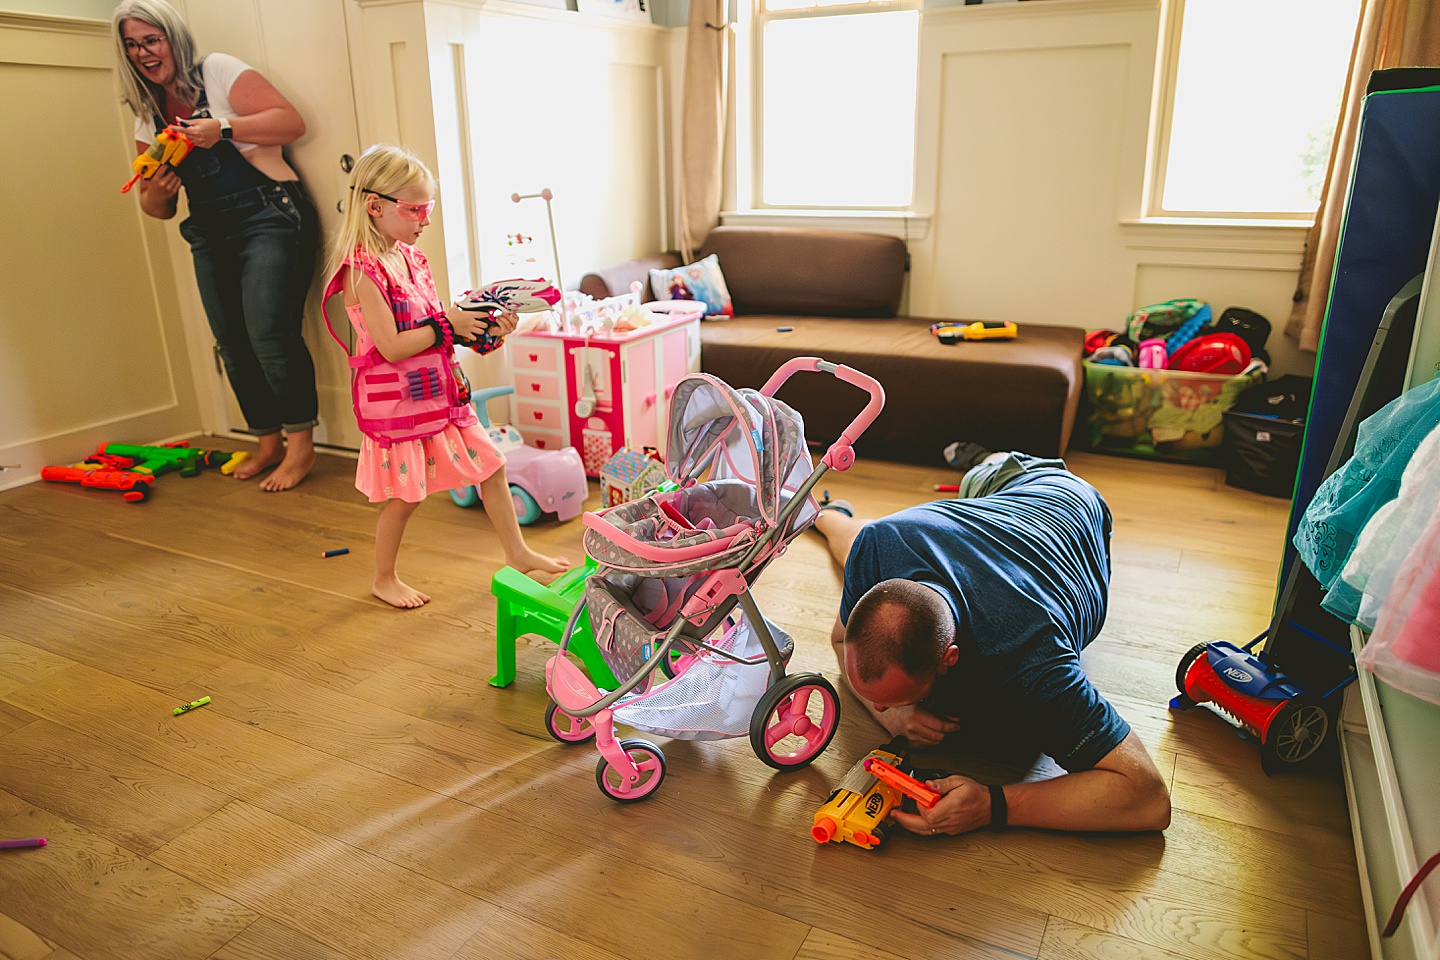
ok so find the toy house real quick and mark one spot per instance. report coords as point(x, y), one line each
point(630, 474)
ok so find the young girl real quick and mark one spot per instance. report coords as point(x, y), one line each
point(391, 300)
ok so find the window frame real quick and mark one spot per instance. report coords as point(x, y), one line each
point(752, 186)
point(1163, 113)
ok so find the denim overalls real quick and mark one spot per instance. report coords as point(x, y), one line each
point(254, 241)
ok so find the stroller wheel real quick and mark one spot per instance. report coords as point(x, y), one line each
point(1295, 734)
point(651, 763)
point(565, 728)
point(794, 721)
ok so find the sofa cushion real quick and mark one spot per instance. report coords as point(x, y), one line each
point(835, 273)
point(701, 281)
point(1018, 394)
point(612, 281)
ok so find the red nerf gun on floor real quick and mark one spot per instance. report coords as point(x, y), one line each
point(170, 147)
point(133, 487)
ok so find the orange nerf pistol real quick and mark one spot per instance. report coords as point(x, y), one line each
point(858, 811)
point(170, 147)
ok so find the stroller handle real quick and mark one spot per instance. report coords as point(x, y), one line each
point(840, 456)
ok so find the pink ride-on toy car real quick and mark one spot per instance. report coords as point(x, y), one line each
point(541, 481)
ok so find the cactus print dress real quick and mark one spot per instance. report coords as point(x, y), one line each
point(458, 456)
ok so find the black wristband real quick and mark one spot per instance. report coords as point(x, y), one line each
point(444, 333)
point(998, 811)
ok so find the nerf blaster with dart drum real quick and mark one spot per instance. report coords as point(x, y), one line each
point(170, 147)
point(858, 811)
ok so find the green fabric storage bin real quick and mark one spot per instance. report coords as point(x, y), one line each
point(1161, 414)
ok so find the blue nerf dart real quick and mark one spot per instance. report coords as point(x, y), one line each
point(335, 553)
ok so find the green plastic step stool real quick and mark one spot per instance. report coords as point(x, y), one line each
point(524, 606)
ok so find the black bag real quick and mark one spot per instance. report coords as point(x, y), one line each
point(1264, 434)
point(1286, 397)
point(1248, 326)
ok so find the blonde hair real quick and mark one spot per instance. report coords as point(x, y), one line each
point(146, 99)
point(383, 168)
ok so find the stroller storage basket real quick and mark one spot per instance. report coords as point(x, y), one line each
point(712, 697)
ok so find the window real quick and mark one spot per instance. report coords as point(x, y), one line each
point(835, 124)
point(1256, 96)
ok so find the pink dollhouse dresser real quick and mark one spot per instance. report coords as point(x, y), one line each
point(603, 391)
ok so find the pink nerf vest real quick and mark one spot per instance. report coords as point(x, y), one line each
point(412, 398)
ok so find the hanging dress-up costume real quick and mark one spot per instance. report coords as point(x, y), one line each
point(421, 434)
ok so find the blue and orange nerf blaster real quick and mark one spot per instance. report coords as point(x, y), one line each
point(859, 809)
point(170, 147)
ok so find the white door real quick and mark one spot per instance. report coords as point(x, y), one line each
point(302, 49)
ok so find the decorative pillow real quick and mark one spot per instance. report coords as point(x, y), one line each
point(701, 281)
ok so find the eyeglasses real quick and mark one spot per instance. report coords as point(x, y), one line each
point(151, 43)
point(410, 211)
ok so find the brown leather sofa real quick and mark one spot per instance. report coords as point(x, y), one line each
point(840, 291)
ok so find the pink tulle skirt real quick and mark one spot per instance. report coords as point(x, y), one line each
point(410, 470)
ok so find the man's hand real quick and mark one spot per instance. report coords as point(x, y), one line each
point(964, 805)
point(921, 727)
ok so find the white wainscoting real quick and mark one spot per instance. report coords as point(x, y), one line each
point(91, 347)
point(1033, 131)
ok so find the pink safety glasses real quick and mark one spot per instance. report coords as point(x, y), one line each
point(410, 211)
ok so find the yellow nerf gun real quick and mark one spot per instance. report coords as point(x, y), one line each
point(170, 147)
point(857, 811)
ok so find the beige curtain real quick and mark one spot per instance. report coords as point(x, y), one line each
point(1392, 33)
point(702, 124)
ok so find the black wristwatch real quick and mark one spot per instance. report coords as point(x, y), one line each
point(225, 132)
point(998, 811)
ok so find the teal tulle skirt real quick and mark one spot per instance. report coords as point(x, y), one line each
point(1352, 495)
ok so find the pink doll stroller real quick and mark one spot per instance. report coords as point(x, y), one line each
point(672, 593)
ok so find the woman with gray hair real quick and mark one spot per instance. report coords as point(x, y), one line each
point(252, 229)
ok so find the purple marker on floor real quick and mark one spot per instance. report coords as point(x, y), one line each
point(19, 844)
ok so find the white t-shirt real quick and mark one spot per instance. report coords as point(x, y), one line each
point(220, 71)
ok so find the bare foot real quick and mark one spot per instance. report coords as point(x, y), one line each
point(297, 463)
point(258, 463)
point(398, 593)
point(531, 563)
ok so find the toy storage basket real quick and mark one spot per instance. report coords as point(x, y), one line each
point(1163, 414)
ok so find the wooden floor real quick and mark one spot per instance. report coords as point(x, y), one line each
point(356, 790)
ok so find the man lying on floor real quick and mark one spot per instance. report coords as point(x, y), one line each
point(963, 620)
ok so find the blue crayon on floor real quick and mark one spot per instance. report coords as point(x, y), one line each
point(335, 553)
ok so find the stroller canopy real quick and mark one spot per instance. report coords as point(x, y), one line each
point(739, 434)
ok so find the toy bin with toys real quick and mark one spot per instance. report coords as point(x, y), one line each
point(1159, 387)
point(1164, 414)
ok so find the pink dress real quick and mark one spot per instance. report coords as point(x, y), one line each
point(461, 454)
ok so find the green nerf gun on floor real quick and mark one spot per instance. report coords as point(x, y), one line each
point(175, 456)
